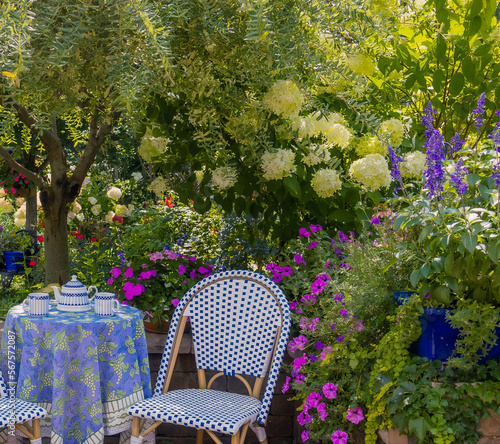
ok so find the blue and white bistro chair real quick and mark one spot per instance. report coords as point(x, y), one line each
point(16, 412)
point(240, 322)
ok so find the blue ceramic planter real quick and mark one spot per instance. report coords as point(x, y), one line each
point(14, 261)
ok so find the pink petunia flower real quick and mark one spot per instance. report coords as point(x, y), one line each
point(299, 259)
point(182, 269)
point(339, 437)
point(175, 302)
point(313, 400)
point(110, 281)
point(315, 228)
point(330, 390)
point(287, 271)
point(129, 272)
point(355, 415)
point(286, 385)
point(304, 232)
point(323, 413)
point(304, 436)
point(312, 245)
point(298, 343)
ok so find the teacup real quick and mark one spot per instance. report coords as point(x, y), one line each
point(106, 304)
point(36, 304)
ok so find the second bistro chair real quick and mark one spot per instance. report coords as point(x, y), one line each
point(240, 323)
point(15, 411)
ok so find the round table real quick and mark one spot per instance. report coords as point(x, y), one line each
point(84, 369)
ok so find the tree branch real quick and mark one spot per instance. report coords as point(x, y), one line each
point(96, 139)
point(50, 141)
point(30, 175)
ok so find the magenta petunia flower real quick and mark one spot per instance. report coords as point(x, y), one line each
point(115, 272)
point(277, 278)
point(317, 286)
point(298, 343)
point(355, 415)
point(343, 312)
point(175, 302)
point(308, 299)
point(339, 437)
point(203, 270)
point(300, 361)
point(293, 305)
point(304, 436)
point(286, 271)
point(313, 400)
point(312, 245)
point(323, 413)
point(182, 269)
point(110, 281)
point(299, 259)
point(330, 390)
point(129, 272)
point(286, 385)
point(315, 228)
point(193, 274)
point(304, 232)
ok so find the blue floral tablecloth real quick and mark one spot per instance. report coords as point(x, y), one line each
point(86, 370)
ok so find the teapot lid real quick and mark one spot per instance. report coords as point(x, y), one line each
point(74, 283)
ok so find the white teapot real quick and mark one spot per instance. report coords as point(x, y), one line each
point(73, 296)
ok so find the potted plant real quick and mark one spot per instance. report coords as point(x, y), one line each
point(156, 282)
point(13, 246)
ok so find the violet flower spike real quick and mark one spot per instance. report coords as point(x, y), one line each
point(479, 112)
point(457, 178)
point(436, 155)
point(456, 144)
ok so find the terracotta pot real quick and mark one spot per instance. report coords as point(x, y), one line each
point(156, 327)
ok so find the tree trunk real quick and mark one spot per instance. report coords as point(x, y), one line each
point(31, 215)
point(55, 201)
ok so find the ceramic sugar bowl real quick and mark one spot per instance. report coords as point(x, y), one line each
point(73, 296)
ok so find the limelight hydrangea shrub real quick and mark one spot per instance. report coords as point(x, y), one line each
point(392, 130)
point(371, 171)
point(278, 165)
point(224, 177)
point(114, 193)
point(284, 98)
point(413, 165)
point(326, 182)
point(152, 147)
point(159, 186)
point(370, 145)
point(317, 154)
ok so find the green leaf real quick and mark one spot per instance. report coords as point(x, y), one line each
point(441, 47)
point(474, 26)
point(400, 220)
point(292, 184)
point(438, 79)
point(419, 427)
point(469, 241)
point(425, 232)
point(457, 83)
point(449, 261)
point(415, 278)
point(469, 70)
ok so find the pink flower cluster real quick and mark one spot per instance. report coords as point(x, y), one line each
point(278, 272)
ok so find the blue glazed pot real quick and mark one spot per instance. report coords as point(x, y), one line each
point(438, 337)
point(402, 296)
point(14, 261)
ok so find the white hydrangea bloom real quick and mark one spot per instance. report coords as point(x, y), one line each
point(121, 210)
point(96, 210)
point(317, 154)
point(370, 145)
point(76, 207)
point(152, 147)
point(85, 182)
point(224, 177)
point(92, 200)
point(21, 212)
point(109, 217)
point(326, 182)
point(130, 209)
point(6, 206)
point(284, 98)
point(159, 186)
point(323, 124)
point(137, 176)
point(18, 222)
point(278, 165)
point(413, 165)
point(306, 126)
point(2, 192)
point(371, 171)
point(114, 193)
point(80, 217)
point(393, 131)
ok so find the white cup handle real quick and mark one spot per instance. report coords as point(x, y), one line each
point(90, 288)
point(117, 305)
point(26, 305)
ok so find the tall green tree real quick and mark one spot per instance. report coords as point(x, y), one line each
point(79, 61)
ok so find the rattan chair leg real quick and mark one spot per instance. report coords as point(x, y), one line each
point(36, 429)
point(199, 437)
point(24, 431)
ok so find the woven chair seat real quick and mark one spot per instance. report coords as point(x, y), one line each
point(201, 409)
point(24, 411)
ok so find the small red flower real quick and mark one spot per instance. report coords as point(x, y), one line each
point(81, 236)
point(94, 239)
point(32, 263)
point(40, 238)
point(118, 219)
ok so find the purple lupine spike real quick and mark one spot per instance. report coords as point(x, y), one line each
point(395, 161)
point(456, 143)
point(457, 178)
point(496, 174)
point(479, 111)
